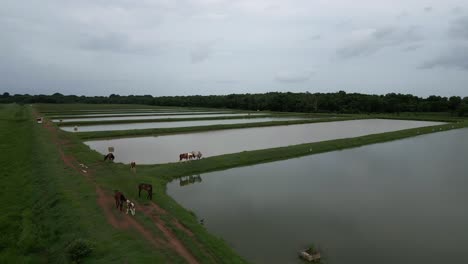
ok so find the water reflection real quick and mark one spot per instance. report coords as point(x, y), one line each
point(147, 150)
point(398, 202)
point(183, 181)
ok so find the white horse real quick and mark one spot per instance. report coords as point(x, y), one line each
point(130, 207)
point(196, 154)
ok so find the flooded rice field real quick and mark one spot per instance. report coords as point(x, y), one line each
point(163, 149)
point(150, 117)
point(397, 202)
point(135, 114)
point(175, 124)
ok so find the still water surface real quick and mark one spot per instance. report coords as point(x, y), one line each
point(175, 124)
point(400, 202)
point(148, 117)
point(162, 149)
point(66, 117)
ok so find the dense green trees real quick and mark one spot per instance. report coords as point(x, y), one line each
point(339, 102)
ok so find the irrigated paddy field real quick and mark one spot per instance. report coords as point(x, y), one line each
point(130, 126)
point(163, 149)
point(360, 205)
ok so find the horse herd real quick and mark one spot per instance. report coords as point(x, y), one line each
point(120, 199)
point(190, 155)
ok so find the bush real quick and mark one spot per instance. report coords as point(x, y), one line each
point(79, 249)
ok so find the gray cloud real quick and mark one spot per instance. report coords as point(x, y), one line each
point(412, 47)
point(291, 76)
point(101, 47)
point(402, 15)
point(315, 37)
point(201, 52)
point(371, 41)
point(428, 9)
point(459, 28)
point(457, 10)
point(456, 58)
point(110, 42)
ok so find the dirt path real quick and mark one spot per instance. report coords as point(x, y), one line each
point(106, 201)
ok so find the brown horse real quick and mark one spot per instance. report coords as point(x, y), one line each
point(109, 156)
point(186, 156)
point(119, 200)
point(133, 166)
point(148, 188)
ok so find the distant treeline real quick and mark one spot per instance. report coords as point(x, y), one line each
point(339, 102)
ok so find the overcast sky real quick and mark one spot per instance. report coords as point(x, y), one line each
point(184, 47)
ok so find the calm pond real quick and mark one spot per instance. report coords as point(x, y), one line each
point(175, 124)
point(397, 202)
point(133, 114)
point(150, 117)
point(148, 150)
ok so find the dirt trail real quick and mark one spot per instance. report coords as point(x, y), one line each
point(106, 202)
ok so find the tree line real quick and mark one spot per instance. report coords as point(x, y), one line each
point(338, 102)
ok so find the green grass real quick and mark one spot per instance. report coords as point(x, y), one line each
point(46, 205)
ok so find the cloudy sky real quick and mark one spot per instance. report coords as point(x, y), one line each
point(184, 47)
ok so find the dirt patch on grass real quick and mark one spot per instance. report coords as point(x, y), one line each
point(106, 201)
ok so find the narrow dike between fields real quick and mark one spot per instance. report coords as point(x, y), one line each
point(106, 201)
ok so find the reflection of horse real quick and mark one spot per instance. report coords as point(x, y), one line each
point(186, 156)
point(109, 156)
point(197, 154)
point(119, 199)
point(148, 188)
point(189, 180)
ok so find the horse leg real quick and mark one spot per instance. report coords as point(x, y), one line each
point(139, 191)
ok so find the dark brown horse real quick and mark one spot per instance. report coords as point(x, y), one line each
point(109, 156)
point(148, 188)
point(119, 200)
point(185, 156)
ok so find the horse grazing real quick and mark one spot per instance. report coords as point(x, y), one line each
point(119, 199)
point(148, 188)
point(197, 154)
point(186, 156)
point(109, 156)
point(130, 207)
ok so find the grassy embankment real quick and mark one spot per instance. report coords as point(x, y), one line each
point(46, 205)
point(160, 175)
point(112, 176)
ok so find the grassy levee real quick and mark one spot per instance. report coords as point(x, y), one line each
point(77, 108)
point(179, 130)
point(172, 119)
point(46, 205)
point(204, 246)
point(131, 121)
point(119, 176)
point(140, 115)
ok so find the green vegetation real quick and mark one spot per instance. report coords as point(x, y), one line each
point(339, 102)
point(48, 208)
point(51, 214)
